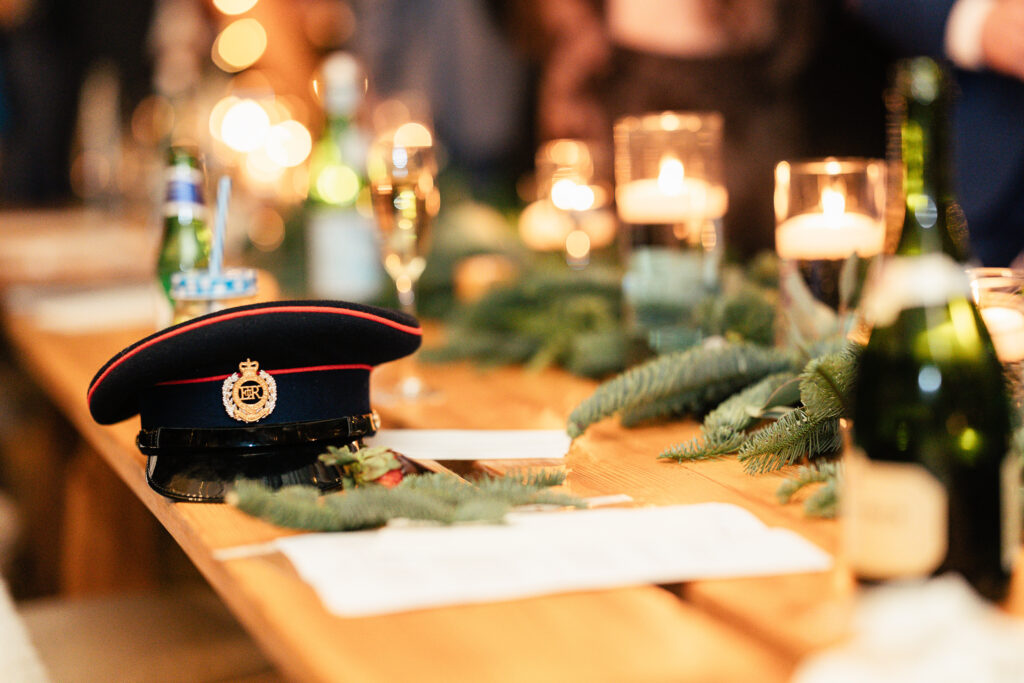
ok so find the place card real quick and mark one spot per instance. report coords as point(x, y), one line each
point(414, 566)
point(474, 444)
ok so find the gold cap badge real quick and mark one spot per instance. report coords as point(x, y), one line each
point(251, 396)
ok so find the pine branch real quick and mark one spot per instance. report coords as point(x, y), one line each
point(815, 473)
point(428, 497)
point(826, 383)
point(722, 430)
point(824, 502)
point(787, 440)
point(676, 374)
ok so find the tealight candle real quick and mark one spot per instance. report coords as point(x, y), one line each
point(815, 236)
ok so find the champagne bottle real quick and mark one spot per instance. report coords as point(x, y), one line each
point(920, 106)
point(929, 485)
point(186, 240)
point(342, 252)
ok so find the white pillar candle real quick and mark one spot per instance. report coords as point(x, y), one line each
point(645, 201)
point(814, 236)
point(1006, 327)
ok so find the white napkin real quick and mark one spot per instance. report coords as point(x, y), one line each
point(474, 444)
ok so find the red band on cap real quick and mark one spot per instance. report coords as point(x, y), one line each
point(408, 329)
point(285, 371)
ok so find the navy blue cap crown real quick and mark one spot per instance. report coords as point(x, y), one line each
point(318, 353)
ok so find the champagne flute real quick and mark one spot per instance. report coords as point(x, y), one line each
point(401, 170)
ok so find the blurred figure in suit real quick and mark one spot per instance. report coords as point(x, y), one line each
point(984, 40)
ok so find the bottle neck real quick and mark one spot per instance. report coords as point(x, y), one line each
point(932, 221)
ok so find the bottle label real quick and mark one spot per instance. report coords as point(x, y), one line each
point(895, 518)
point(1011, 509)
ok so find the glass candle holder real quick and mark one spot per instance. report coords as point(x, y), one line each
point(670, 198)
point(571, 210)
point(827, 211)
point(999, 294)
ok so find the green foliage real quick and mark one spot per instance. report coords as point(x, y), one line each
point(788, 440)
point(694, 379)
point(547, 317)
point(722, 431)
point(432, 497)
point(812, 429)
point(824, 502)
point(363, 465)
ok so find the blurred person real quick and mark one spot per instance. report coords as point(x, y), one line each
point(779, 71)
point(46, 50)
point(453, 54)
point(984, 41)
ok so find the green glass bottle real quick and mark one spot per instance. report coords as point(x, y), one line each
point(342, 253)
point(929, 486)
point(932, 220)
point(187, 237)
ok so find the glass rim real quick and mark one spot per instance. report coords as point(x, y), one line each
point(831, 165)
point(669, 121)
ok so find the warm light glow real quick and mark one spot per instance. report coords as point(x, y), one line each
point(569, 195)
point(413, 134)
point(543, 227)
point(234, 6)
point(217, 115)
point(289, 143)
point(244, 126)
point(337, 184)
point(266, 230)
point(833, 203)
point(261, 169)
point(239, 45)
point(577, 244)
point(670, 176)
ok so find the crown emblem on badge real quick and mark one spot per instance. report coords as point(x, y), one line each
point(251, 395)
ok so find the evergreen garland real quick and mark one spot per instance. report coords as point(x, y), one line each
point(824, 502)
point(690, 376)
point(433, 497)
point(789, 439)
point(722, 429)
point(812, 429)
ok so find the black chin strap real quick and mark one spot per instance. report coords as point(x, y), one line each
point(172, 440)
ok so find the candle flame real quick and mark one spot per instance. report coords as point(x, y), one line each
point(670, 176)
point(833, 203)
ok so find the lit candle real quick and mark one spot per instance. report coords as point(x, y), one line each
point(670, 198)
point(831, 234)
point(1006, 326)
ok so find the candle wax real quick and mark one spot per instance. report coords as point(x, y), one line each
point(816, 236)
point(644, 202)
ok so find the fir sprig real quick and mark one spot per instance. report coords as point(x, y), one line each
point(438, 498)
point(722, 430)
point(824, 502)
point(683, 375)
point(812, 429)
point(788, 440)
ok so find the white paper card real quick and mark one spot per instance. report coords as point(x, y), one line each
point(474, 444)
point(401, 568)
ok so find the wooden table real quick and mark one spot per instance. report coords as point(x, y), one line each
point(724, 630)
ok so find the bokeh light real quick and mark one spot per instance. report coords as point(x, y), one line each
point(239, 45)
point(289, 143)
point(234, 6)
point(338, 184)
point(244, 126)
